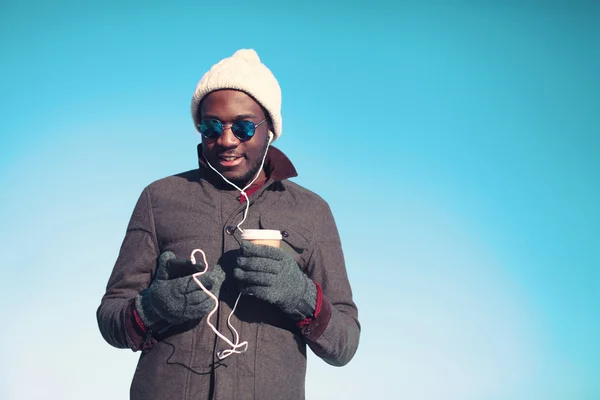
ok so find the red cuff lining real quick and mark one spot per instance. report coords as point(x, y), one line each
point(319, 300)
point(139, 321)
point(306, 321)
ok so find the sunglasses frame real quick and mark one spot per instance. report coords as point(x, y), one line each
point(230, 126)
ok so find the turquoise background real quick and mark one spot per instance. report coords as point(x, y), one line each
point(456, 142)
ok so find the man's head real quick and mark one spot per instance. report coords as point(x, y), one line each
point(238, 88)
point(236, 159)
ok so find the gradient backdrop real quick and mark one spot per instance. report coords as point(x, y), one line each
point(456, 142)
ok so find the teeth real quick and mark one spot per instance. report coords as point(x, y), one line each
point(229, 158)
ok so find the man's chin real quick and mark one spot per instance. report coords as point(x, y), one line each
point(238, 178)
point(230, 172)
point(238, 175)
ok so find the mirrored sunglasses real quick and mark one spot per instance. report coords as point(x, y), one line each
point(213, 128)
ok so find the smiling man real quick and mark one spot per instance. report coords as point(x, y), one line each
point(235, 158)
point(236, 324)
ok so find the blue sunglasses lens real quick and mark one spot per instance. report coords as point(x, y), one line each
point(210, 128)
point(243, 130)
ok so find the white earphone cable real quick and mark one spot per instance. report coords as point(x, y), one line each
point(236, 347)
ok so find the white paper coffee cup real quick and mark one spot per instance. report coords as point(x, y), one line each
point(265, 237)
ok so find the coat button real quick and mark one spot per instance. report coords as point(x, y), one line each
point(230, 229)
point(284, 234)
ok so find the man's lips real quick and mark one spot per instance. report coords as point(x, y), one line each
point(230, 160)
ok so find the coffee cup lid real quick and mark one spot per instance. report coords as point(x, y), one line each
point(255, 234)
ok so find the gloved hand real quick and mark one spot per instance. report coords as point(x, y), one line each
point(270, 274)
point(177, 300)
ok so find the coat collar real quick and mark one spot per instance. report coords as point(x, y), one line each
point(277, 166)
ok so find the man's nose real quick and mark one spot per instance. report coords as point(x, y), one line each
point(227, 138)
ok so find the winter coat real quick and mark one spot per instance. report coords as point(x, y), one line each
point(197, 210)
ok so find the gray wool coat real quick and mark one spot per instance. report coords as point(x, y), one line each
point(195, 210)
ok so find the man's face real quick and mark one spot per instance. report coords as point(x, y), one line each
point(236, 160)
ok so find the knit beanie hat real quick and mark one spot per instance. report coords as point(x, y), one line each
point(243, 71)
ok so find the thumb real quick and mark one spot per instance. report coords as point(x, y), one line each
point(163, 261)
point(214, 277)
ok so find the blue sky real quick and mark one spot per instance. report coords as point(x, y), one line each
point(457, 144)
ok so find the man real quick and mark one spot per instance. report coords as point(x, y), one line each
point(292, 296)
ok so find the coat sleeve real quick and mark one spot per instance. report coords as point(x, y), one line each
point(333, 334)
point(133, 272)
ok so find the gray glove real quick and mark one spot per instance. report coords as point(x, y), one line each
point(270, 274)
point(177, 300)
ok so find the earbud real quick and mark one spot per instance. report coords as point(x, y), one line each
point(270, 137)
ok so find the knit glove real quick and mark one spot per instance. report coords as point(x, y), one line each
point(270, 274)
point(177, 300)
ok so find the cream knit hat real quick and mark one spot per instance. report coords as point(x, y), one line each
point(243, 71)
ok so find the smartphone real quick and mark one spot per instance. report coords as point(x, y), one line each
point(178, 268)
